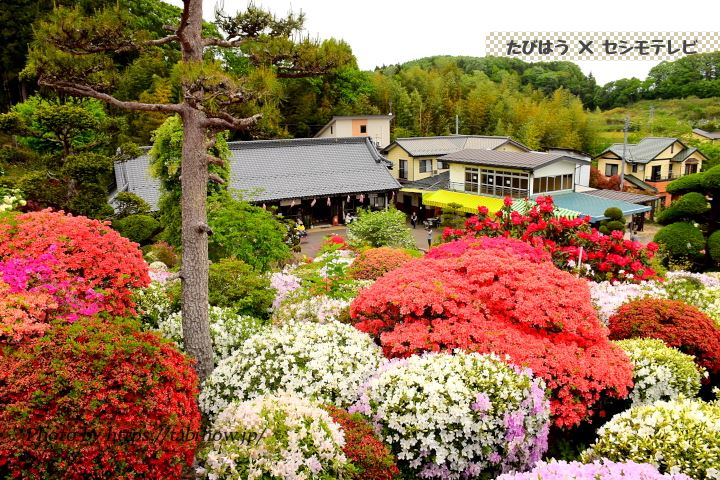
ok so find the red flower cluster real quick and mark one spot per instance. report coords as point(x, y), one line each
point(335, 241)
point(571, 242)
point(491, 300)
point(363, 449)
point(23, 314)
point(376, 262)
point(94, 399)
point(676, 323)
point(516, 247)
point(88, 255)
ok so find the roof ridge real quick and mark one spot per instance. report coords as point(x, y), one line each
point(291, 142)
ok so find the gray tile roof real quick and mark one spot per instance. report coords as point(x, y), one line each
point(441, 181)
point(640, 183)
point(433, 146)
point(268, 170)
point(683, 154)
point(644, 151)
point(521, 160)
point(623, 196)
point(710, 135)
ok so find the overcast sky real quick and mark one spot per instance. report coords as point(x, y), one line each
point(383, 32)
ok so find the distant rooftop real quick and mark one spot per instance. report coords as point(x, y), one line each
point(442, 145)
point(520, 160)
point(706, 134)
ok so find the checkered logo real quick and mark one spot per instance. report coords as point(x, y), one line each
point(535, 46)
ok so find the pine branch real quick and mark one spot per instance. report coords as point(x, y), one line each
point(225, 121)
point(86, 91)
point(215, 179)
point(212, 160)
point(219, 42)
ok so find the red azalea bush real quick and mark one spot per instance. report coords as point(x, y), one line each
point(676, 323)
point(335, 242)
point(572, 243)
point(363, 449)
point(23, 314)
point(517, 247)
point(491, 300)
point(87, 254)
point(93, 399)
point(376, 262)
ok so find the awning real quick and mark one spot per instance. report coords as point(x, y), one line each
point(469, 202)
point(594, 206)
point(523, 206)
point(412, 190)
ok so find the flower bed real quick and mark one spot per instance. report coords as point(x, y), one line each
point(660, 372)
point(282, 437)
point(678, 436)
point(323, 362)
point(458, 416)
point(599, 470)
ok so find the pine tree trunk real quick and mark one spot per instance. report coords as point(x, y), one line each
point(196, 329)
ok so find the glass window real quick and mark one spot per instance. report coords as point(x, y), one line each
point(471, 180)
point(425, 166)
point(402, 173)
point(363, 128)
point(611, 169)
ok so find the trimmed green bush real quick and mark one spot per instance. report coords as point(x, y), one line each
point(714, 246)
point(127, 203)
point(682, 240)
point(137, 228)
point(688, 207)
point(613, 213)
point(688, 183)
point(236, 285)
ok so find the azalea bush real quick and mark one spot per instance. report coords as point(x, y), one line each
point(373, 263)
point(680, 436)
point(697, 289)
point(458, 416)
point(88, 254)
point(491, 300)
point(676, 323)
point(283, 283)
point(157, 301)
point(602, 469)
point(323, 362)
point(94, 399)
point(270, 437)
point(510, 245)
point(371, 458)
point(228, 330)
point(306, 307)
point(10, 198)
point(573, 244)
point(660, 372)
point(607, 297)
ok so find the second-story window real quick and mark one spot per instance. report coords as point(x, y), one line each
point(402, 173)
point(363, 128)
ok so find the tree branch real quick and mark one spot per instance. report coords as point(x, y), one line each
point(212, 160)
point(86, 91)
point(215, 179)
point(225, 121)
point(219, 42)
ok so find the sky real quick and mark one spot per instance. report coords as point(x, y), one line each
point(384, 32)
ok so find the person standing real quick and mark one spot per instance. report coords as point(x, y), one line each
point(413, 219)
point(429, 237)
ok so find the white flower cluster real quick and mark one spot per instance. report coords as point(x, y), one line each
point(660, 372)
point(678, 436)
point(281, 437)
point(320, 309)
point(458, 416)
point(323, 362)
point(10, 199)
point(607, 297)
point(153, 304)
point(228, 330)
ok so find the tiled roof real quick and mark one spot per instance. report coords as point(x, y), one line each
point(441, 181)
point(644, 151)
point(683, 154)
point(710, 135)
point(521, 160)
point(623, 196)
point(595, 206)
point(433, 146)
point(267, 170)
point(640, 183)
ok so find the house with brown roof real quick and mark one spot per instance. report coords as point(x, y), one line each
point(651, 163)
point(705, 136)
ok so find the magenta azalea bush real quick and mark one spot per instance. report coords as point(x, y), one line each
point(599, 470)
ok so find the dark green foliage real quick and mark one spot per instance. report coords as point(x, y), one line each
point(688, 183)
point(711, 179)
point(452, 216)
point(235, 284)
point(138, 228)
point(127, 203)
point(44, 188)
point(613, 213)
point(90, 201)
point(690, 206)
point(615, 221)
point(713, 244)
point(682, 240)
point(246, 232)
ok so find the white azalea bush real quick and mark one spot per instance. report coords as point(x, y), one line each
point(697, 289)
point(228, 330)
point(607, 297)
point(458, 416)
point(678, 436)
point(274, 437)
point(154, 304)
point(660, 372)
point(309, 308)
point(10, 199)
point(598, 470)
point(324, 362)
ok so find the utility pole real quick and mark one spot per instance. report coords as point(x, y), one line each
point(622, 163)
point(457, 125)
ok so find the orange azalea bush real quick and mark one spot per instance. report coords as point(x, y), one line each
point(491, 300)
point(376, 262)
point(93, 399)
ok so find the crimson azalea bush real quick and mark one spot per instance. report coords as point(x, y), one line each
point(676, 323)
point(376, 262)
point(86, 258)
point(93, 399)
point(491, 300)
point(371, 457)
point(570, 241)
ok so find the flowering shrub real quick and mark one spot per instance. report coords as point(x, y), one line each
point(284, 283)
point(660, 372)
point(323, 362)
point(458, 416)
point(10, 199)
point(105, 396)
point(372, 458)
point(376, 262)
point(302, 306)
point(511, 245)
point(328, 275)
point(228, 330)
point(156, 301)
point(334, 242)
point(23, 314)
point(270, 437)
point(677, 436)
point(163, 252)
point(602, 469)
point(679, 325)
point(492, 301)
point(89, 254)
point(697, 289)
point(569, 241)
point(607, 297)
